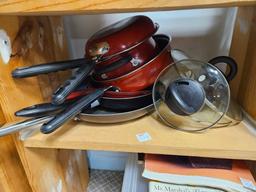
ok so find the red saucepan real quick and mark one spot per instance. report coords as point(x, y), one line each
point(131, 61)
point(144, 77)
point(120, 37)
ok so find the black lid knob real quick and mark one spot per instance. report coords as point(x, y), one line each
point(184, 96)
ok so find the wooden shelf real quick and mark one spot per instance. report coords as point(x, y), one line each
point(28, 7)
point(232, 142)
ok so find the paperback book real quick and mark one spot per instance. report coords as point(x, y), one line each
point(227, 175)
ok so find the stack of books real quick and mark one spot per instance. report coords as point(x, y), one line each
point(167, 173)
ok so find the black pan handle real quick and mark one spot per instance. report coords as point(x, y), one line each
point(71, 111)
point(40, 110)
point(34, 70)
point(64, 90)
point(115, 65)
point(228, 61)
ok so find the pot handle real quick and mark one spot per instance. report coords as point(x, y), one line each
point(40, 110)
point(228, 61)
point(23, 72)
point(114, 65)
point(6, 130)
point(68, 86)
point(71, 111)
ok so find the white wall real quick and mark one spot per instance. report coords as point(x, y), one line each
point(201, 33)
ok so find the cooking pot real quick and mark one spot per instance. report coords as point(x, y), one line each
point(145, 75)
point(132, 60)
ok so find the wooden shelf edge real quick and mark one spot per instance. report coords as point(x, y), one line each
point(218, 153)
point(236, 142)
point(63, 7)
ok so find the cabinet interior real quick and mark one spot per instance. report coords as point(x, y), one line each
point(201, 33)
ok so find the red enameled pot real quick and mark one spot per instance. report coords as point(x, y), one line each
point(120, 37)
point(145, 75)
point(132, 60)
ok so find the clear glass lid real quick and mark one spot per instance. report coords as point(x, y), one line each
point(191, 95)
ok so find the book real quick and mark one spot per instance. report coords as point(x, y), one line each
point(168, 187)
point(228, 175)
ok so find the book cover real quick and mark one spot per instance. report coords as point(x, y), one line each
point(182, 170)
point(168, 187)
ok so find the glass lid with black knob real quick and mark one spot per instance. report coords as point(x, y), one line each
point(191, 95)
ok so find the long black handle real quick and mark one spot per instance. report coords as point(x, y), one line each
point(71, 111)
point(228, 61)
point(41, 110)
point(115, 65)
point(64, 90)
point(34, 70)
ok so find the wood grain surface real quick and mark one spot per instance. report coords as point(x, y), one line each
point(240, 40)
point(247, 88)
point(231, 142)
point(21, 7)
point(12, 174)
point(243, 49)
point(37, 40)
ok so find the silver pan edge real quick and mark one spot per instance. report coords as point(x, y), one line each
point(112, 117)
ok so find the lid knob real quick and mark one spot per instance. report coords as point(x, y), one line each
point(184, 96)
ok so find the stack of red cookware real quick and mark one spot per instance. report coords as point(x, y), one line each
point(122, 62)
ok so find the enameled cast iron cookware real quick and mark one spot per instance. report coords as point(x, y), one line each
point(138, 79)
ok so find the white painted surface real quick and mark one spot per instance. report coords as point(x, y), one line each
point(133, 180)
point(200, 33)
point(5, 46)
point(106, 160)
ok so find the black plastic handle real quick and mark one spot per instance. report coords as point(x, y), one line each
point(115, 65)
point(64, 90)
point(40, 110)
point(184, 96)
point(228, 61)
point(34, 70)
point(71, 111)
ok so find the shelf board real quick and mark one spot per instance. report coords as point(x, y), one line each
point(28, 7)
point(235, 142)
